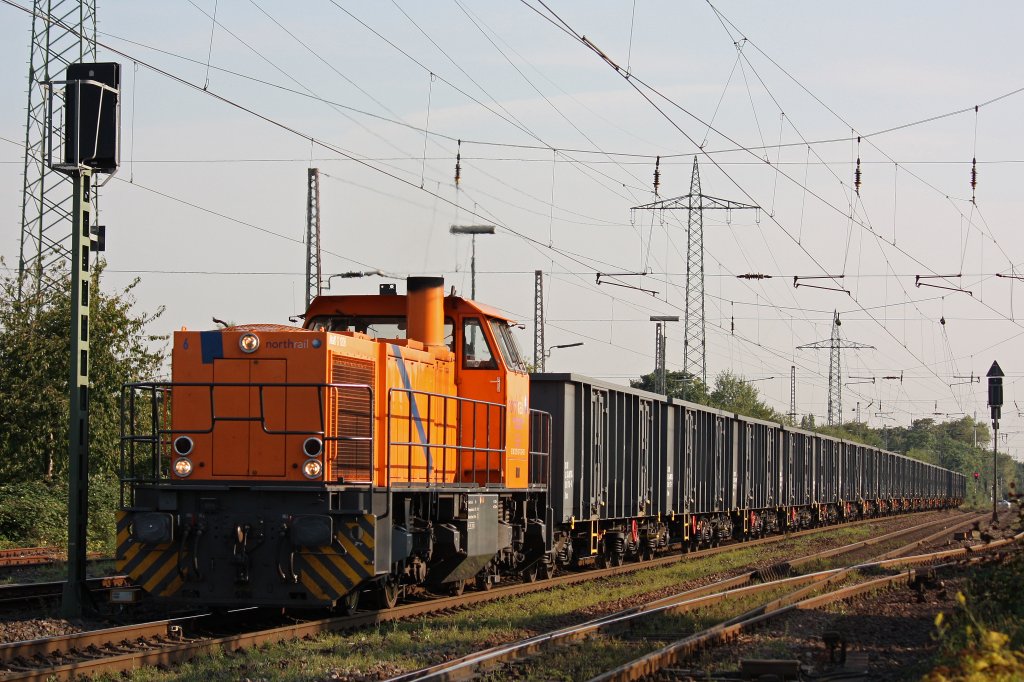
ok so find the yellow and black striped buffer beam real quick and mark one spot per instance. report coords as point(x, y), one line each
point(331, 572)
point(154, 568)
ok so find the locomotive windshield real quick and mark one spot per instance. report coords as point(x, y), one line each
point(507, 346)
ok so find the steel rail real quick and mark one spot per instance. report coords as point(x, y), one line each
point(17, 557)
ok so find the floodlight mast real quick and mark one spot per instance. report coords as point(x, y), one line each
point(473, 231)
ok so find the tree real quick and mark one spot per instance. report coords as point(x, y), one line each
point(34, 408)
point(731, 392)
point(734, 393)
point(681, 385)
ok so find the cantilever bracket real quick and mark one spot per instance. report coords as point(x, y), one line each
point(652, 292)
point(797, 284)
point(918, 283)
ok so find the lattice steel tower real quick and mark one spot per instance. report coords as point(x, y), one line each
point(63, 32)
point(695, 203)
point(314, 277)
point(835, 369)
point(538, 321)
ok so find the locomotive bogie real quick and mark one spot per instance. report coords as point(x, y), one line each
point(220, 547)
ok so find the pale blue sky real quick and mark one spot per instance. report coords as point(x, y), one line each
point(875, 65)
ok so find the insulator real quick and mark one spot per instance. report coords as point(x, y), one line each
point(458, 164)
point(856, 177)
point(657, 174)
point(974, 176)
point(732, 325)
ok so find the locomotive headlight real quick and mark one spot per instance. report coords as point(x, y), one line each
point(183, 445)
point(183, 466)
point(249, 342)
point(313, 447)
point(312, 468)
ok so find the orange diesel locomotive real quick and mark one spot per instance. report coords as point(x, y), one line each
point(387, 443)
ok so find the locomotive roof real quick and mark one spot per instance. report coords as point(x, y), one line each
point(370, 304)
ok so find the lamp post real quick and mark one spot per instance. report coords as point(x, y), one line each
point(473, 231)
point(995, 402)
point(547, 353)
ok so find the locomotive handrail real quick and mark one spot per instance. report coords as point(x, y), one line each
point(416, 420)
point(159, 429)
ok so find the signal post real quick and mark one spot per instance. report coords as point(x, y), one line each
point(91, 144)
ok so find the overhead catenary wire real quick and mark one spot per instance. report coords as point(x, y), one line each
point(435, 198)
point(639, 85)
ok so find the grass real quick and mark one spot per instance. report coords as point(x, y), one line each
point(983, 637)
point(392, 648)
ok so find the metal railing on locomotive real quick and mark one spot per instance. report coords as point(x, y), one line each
point(152, 464)
point(146, 439)
point(471, 415)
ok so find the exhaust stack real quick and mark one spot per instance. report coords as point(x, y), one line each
point(425, 310)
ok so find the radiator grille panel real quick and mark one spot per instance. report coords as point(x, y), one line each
point(353, 418)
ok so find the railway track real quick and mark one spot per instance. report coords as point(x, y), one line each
point(738, 587)
point(18, 557)
point(171, 641)
point(658, 664)
point(18, 596)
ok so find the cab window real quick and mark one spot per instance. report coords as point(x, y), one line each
point(507, 345)
point(476, 352)
point(375, 326)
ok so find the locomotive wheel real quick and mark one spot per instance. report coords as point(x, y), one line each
point(349, 603)
point(545, 571)
point(456, 588)
point(387, 593)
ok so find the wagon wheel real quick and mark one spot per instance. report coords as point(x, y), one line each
point(545, 570)
point(387, 593)
point(615, 559)
point(349, 603)
point(529, 574)
point(456, 588)
point(482, 583)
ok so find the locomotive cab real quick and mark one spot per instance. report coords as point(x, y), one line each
point(488, 371)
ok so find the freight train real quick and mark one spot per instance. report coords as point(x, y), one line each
point(396, 443)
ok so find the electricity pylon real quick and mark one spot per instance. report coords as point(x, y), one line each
point(835, 370)
point(695, 203)
point(63, 32)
